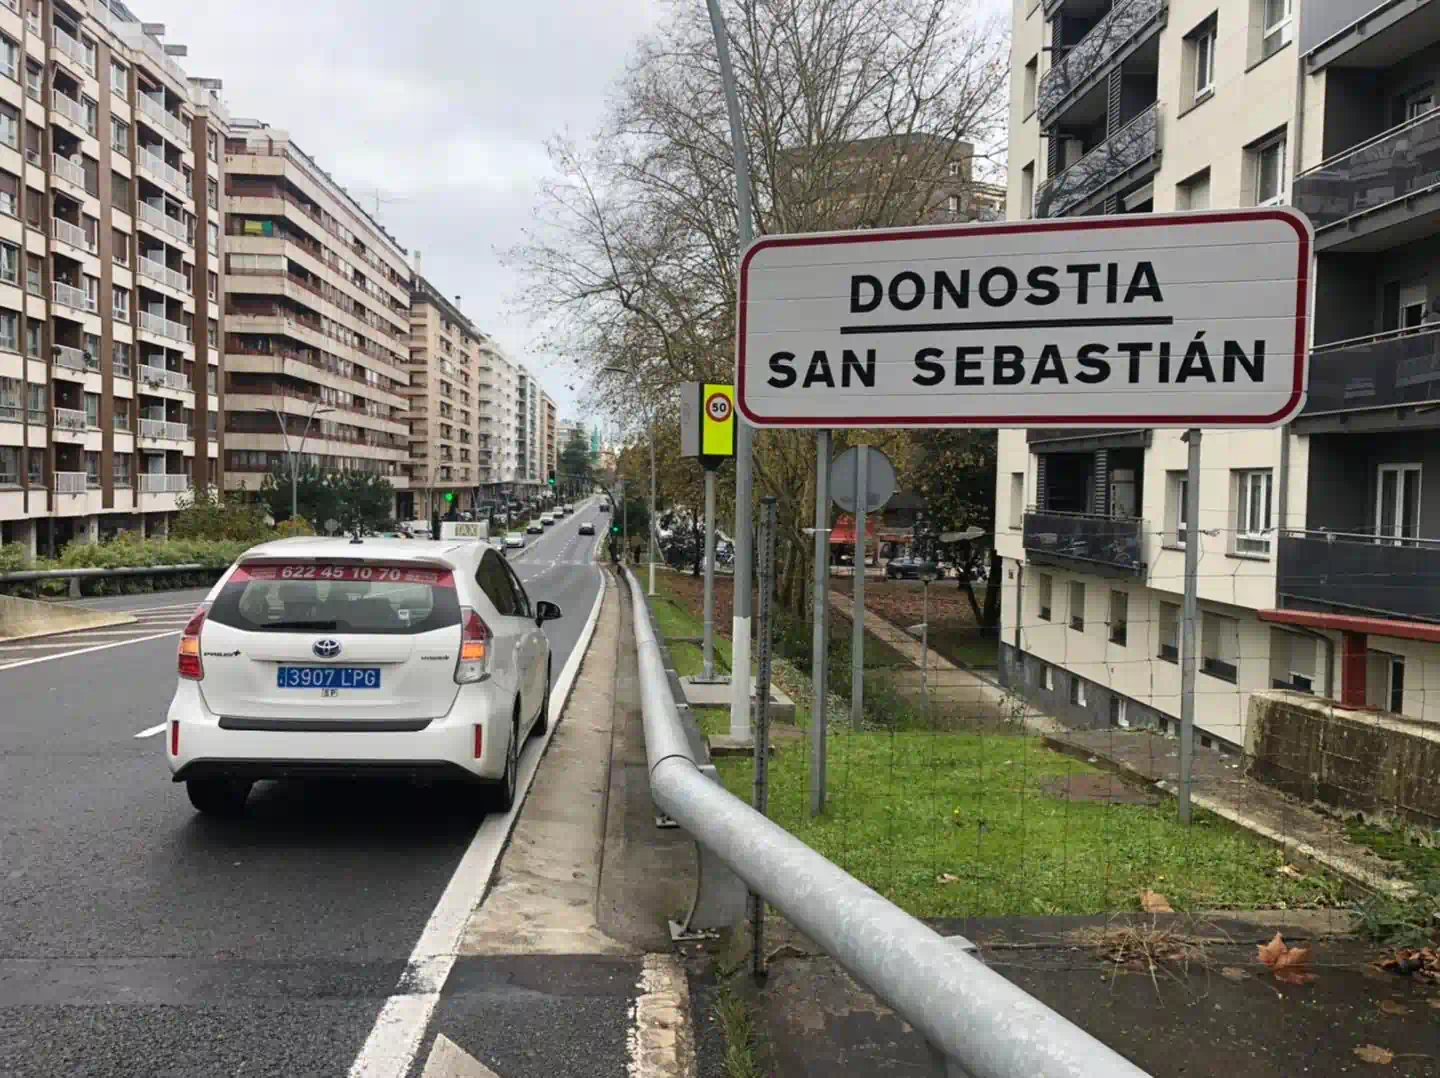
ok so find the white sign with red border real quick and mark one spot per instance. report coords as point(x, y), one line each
point(1151, 320)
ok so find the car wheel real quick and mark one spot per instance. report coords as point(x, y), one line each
point(502, 793)
point(542, 722)
point(218, 797)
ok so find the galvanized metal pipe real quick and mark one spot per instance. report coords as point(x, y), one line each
point(987, 1026)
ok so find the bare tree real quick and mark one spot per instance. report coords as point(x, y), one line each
point(858, 113)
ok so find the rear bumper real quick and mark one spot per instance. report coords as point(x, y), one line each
point(445, 746)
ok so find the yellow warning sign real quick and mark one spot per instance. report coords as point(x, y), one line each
point(717, 420)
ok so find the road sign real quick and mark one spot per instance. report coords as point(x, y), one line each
point(879, 479)
point(707, 421)
point(1156, 320)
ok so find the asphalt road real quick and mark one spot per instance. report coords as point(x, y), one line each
point(137, 938)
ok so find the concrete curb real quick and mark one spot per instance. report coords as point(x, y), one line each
point(35, 618)
point(661, 1040)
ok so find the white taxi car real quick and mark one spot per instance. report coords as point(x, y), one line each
point(318, 656)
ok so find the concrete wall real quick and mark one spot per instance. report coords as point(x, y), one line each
point(1347, 759)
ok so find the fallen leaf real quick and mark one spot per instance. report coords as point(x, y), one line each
point(1373, 1053)
point(1154, 902)
point(1287, 963)
point(1291, 871)
point(946, 877)
point(1233, 973)
point(1390, 1006)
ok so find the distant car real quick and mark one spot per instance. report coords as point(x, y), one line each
point(587, 528)
point(512, 541)
point(604, 507)
point(546, 519)
point(319, 656)
point(568, 508)
point(908, 568)
point(535, 528)
point(391, 535)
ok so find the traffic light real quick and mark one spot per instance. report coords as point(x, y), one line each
point(449, 495)
point(614, 529)
point(552, 478)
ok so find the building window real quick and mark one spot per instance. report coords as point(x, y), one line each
point(212, 284)
point(9, 125)
point(212, 333)
point(1047, 678)
point(10, 194)
point(120, 136)
point(120, 246)
point(1044, 594)
point(122, 414)
point(9, 460)
point(120, 358)
point(1077, 606)
point(92, 114)
point(212, 194)
point(953, 169)
point(10, 331)
point(34, 275)
point(1252, 512)
point(9, 263)
point(9, 58)
point(1119, 616)
point(1077, 691)
point(1017, 500)
point(1032, 79)
point(120, 469)
point(212, 145)
point(35, 338)
point(92, 468)
point(9, 404)
point(1169, 632)
point(1292, 661)
point(35, 403)
point(92, 409)
point(35, 469)
point(120, 303)
point(1397, 501)
point(1277, 26)
point(1385, 682)
point(1220, 646)
point(1200, 55)
point(119, 79)
point(1027, 191)
point(1194, 193)
point(952, 205)
point(1267, 160)
point(120, 191)
point(34, 81)
point(1177, 490)
point(212, 236)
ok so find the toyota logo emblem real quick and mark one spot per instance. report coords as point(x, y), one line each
point(327, 648)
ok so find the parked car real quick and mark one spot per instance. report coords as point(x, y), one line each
point(910, 568)
point(587, 528)
point(320, 656)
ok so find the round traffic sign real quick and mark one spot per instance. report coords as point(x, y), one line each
point(717, 407)
point(879, 479)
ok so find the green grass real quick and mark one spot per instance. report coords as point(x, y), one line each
point(966, 646)
point(906, 808)
point(1417, 862)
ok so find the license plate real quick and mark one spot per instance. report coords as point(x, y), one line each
point(327, 677)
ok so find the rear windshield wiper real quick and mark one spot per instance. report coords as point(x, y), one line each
point(313, 626)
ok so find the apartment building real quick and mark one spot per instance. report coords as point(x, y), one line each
point(317, 320)
point(529, 450)
point(446, 394)
point(550, 436)
point(107, 412)
point(1314, 561)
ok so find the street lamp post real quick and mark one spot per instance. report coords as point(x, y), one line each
point(650, 423)
point(295, 453)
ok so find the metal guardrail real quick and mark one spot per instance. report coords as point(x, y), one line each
point(978, 1023)
point(77, 575)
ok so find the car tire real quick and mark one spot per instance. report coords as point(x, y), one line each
point(542, 721)
point(502, 793)
point(219, 797)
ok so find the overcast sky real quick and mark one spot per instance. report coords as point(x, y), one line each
point(442, 105)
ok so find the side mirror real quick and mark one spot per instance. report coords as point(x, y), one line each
point(546, 611)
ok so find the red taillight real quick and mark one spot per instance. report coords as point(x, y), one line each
point(479, 741)
point(190, 665)
point(174, 737)
point(475, 637)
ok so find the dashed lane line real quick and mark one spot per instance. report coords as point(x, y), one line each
point(158, 728)
point(86, 651)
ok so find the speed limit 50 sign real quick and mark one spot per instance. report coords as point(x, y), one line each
point(707, 421)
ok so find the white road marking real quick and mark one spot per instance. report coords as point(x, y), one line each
point(448, 1060)
point(394, 1041)
point(158, 728)
point(84, 651)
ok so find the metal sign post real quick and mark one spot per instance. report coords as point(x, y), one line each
point(820, 637)
point(857, 628)
point(709, 661)
point(762, 711)
point(1189, 615)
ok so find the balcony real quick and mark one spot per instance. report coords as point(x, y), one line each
point(77, 52)
point(71, 420)
point(161, 274)
point(72, 110)
point(160, 483)
point(73, 358)
point(1361, 573)
point(69, 296)
point(73, 235)
point(154, 166)
point(1378, 373)
point(167, 121)
point(1369, 35)
point(164, 327)
point(71, 482)
point(1109, 41)
point(161, 378)
point(164, 430)
point(1084, 540)
point(1385, 190)
point(1130, 153)
point(68, 171)
point(158, 218)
